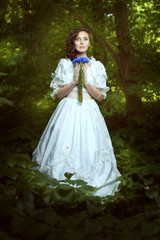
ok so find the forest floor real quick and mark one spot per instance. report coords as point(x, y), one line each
point(33, 206)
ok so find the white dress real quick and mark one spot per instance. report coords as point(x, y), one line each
point(76, 138)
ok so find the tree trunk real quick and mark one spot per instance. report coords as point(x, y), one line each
point(126, 56)
point(99, 24)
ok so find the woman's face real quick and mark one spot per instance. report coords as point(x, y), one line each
point(82, 42)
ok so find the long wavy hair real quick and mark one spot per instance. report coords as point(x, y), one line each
point(70, 46)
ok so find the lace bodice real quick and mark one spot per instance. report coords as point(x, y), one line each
point(63, 75)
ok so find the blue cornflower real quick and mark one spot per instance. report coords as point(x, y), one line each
point(80, 59)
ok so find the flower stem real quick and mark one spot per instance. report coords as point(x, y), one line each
point(80, 82)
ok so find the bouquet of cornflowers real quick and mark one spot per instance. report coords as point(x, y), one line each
point(81, 61)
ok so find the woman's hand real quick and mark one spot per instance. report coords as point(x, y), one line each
point(76, 73)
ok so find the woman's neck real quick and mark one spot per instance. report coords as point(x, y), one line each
point(81, 55)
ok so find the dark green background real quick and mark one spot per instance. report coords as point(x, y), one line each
point(125, 38)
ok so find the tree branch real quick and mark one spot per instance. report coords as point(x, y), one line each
point(97, 36)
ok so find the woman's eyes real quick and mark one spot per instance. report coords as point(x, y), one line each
point(86, 39)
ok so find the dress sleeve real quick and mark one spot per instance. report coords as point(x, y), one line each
point(59, 77)
point(100, 78)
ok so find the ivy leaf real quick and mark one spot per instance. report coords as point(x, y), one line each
point(67, 196)
point(65, 187)
point(32, 164)
point(152, 193)
point(150, 229)
point(80, 182)
point(86, 189)
point(149, 181)
point(5, 101)
point(3, 74)
point(11, 162)
point(47, 216)
point(36, 230)
point(12, 173)
point(29, 229)
point(29, 200)
point(10, 190)
point(93, 227)
point(68, 175)
point(94, 209)
point(118, 141)
point(47, 195)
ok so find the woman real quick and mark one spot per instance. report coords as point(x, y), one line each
point(76, 139)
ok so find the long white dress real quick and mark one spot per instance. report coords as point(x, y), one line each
point(76, 138)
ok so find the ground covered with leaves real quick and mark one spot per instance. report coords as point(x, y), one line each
point(34, 206)
point(125, 38)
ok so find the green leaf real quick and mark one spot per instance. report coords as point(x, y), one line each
point(93, 227)
point(29, 200)
point(125, 153)
point(94, 209)
point(65, 187)
point(69, 197)
point(80, 182)
point(3, 74)
point(32, 164)
point(152, 193)
point(12, 173)
point(54, 182)
point(5, 101)
point(10, 190)
point(86, 189)
point(11, 162)
point(109, 221)
point(23, 156)
point(150, 229)
point(47, 216)
point(41, 179)
point(17, 212)
point(23, 164)
point(20, 204)
point(47, 195)
point(149, 181)
point(29, 229)
point(118, 141)
point(69, 181)
point(68, 175)
point(135, 185)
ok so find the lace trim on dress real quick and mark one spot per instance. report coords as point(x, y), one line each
point(66, 158)
point(74, 95)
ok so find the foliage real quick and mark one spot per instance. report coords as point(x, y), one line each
point(34, 206)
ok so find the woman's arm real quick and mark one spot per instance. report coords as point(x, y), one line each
point(64, 91)
point(96, 93)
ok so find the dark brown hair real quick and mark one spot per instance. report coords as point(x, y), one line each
point(70, 46)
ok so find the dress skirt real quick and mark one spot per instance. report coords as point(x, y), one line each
point(76, 140)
